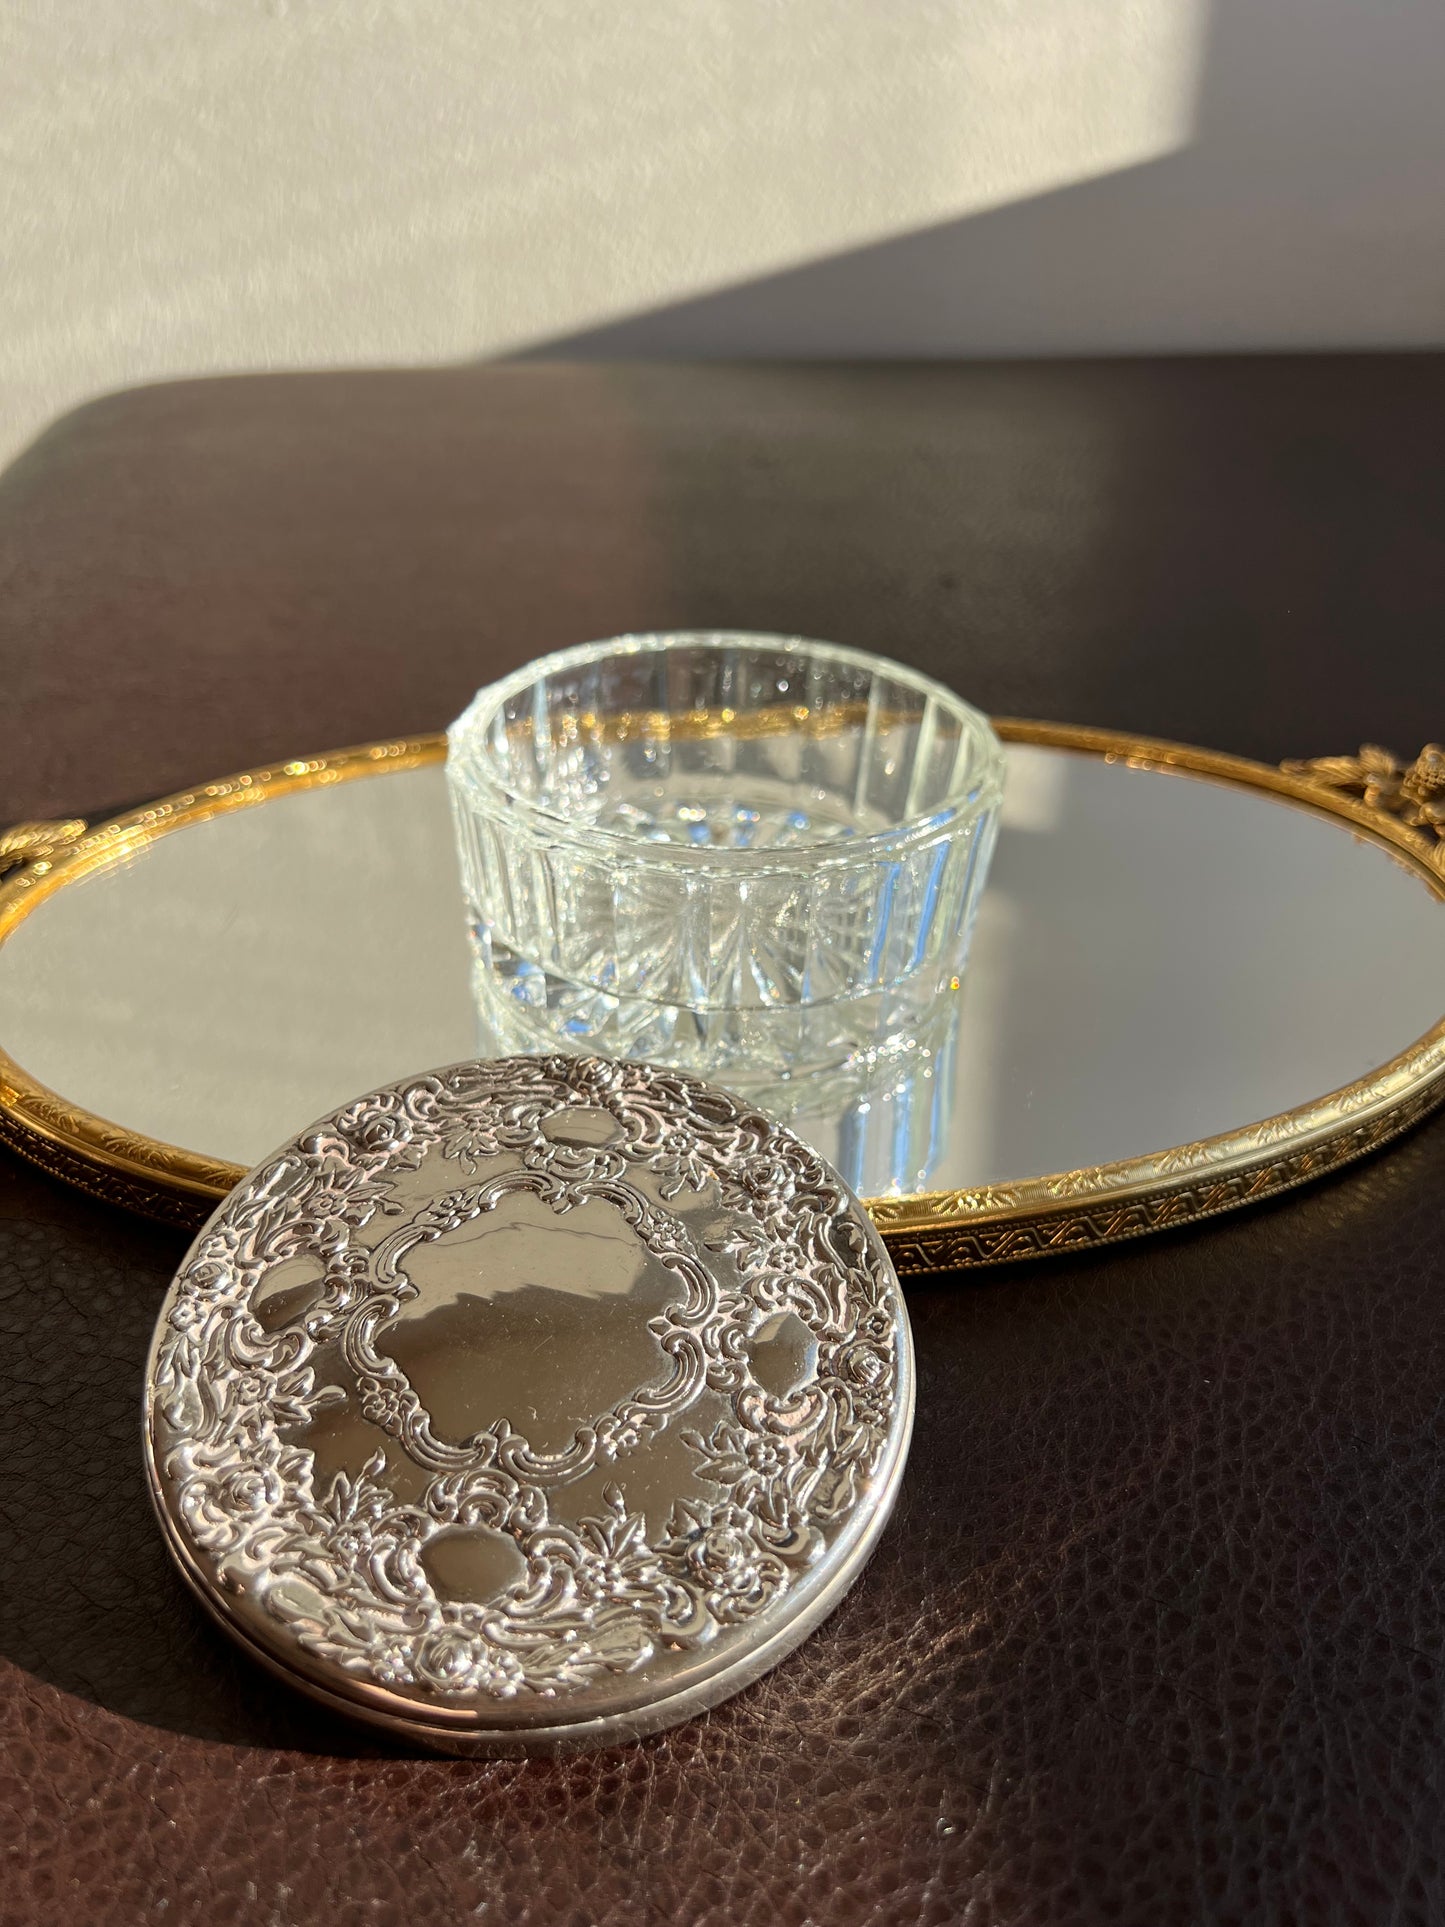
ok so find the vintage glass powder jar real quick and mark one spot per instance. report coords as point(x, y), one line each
point(530, 1403)
point(756, 858)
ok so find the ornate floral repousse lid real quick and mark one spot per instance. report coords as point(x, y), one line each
point(533, 1403)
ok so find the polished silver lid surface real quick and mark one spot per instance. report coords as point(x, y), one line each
point(530, 1403)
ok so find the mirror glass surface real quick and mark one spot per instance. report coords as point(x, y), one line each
point(1159, 959)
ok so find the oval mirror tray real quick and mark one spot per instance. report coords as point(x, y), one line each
point(1195, 982)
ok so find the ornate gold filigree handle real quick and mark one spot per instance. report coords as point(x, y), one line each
point(1412, 793)
point(26, 843)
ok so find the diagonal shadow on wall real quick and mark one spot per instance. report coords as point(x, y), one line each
point(1309, 210)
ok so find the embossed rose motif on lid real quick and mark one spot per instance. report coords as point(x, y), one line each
point(531, 1403)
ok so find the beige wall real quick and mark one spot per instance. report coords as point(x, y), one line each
point(197, 185)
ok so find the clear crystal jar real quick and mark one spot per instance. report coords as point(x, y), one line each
point(753, 857)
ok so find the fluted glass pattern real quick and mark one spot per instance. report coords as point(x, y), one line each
point(754, 857)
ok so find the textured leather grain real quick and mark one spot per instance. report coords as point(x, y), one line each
point(1157, 1632)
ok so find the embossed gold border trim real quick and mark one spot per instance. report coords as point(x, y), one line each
point(930, 1231)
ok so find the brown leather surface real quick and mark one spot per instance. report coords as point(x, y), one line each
point(1156, 1634)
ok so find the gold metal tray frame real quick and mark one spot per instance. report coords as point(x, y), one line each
point(1399, 806)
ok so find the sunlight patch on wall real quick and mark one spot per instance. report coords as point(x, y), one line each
point(192, 185)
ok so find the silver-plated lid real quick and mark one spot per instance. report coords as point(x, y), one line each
point(532, 1403)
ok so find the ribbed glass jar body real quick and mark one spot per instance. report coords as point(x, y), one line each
point(752, 857)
